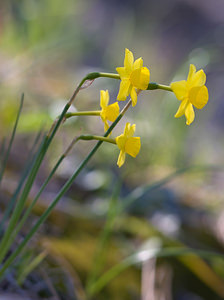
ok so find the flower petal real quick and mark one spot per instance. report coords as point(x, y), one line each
point(120, 141)
point(124, 90)
point(104, 98)
point(181, 109)
point(189, 113)
point(128, 60)
point(123, 72)
point(140, 78)
point(138, 63)
point(106, 126)
point(121, 159)
point(129, 130)
point(134, 96)
point(198, 96)
point(132, 146)
point(198, 79)
point(192, 71)
point(112, 112)
point(180, 89)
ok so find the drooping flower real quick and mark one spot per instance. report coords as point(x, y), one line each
point(191, 92)
point(127, 143)
point(133, 76)
point(108, 112)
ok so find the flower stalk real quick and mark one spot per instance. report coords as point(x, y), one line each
point(82, 113)
point(63, 190)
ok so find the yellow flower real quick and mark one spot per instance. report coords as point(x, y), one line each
point(133, 76)
point(191, 92)
point(108, 112)
point(127, 143)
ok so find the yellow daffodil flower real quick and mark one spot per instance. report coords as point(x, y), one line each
point(191, 92)
point(133, 76)
point(127, 143)
point(108, 112)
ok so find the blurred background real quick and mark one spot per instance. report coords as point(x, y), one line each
point(173, 189)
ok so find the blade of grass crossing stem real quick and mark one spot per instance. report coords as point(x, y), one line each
point(101, 251)
point(6, 156)
point(144, 255)
point(28, 165)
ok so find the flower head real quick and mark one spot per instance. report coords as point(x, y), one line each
point(127, 143)
point(133, 76)
point(191, 92)
point(108, 112)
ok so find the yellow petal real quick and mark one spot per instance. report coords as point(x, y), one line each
point(124, 90)
point(106, 126)
point(120, 141)
point(104, 98)
point(132, 146)
point(180, 89)
point(198, 79)
point(121, 159)
point(134, 96)
point(192, 70)
point(129, 130)
point(181, 109)
point(189, 113)
point(138, 63)
point(140, 78)
point(112, 112)
point(128, 60)
point(198, 96)
point(123, 72)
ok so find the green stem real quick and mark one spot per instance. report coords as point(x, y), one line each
point(83, 113)
point(60, 194)
point(110, 75)
point(155, 86)
point(45, 145)
point(5, 159)
point(96, 137)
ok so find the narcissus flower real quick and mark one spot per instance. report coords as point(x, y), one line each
point(127, 143)
point(133, 76)
point(108, 112)
point(191, 92)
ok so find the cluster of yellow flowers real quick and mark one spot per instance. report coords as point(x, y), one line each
point(134, 77)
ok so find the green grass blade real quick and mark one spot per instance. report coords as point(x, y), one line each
point(29, 209)
point(31, 266)
point(21, 202)
point(2, 151)
point(11, 139)
point(28, 165)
